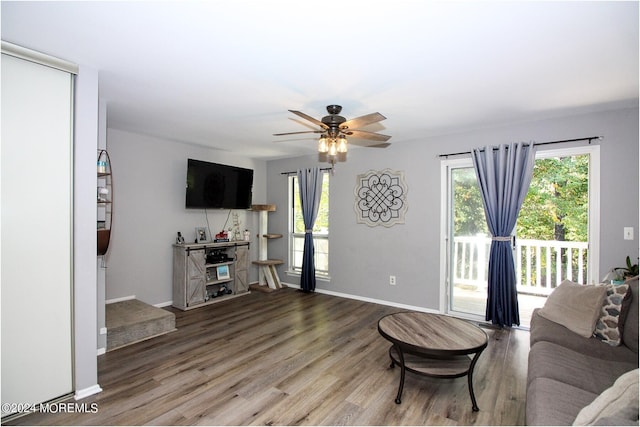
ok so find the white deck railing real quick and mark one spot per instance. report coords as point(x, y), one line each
point(541, 265)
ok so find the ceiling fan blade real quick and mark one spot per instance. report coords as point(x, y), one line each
point(311, 119)
point(368, 135)
point(295, 133)
point(370, 144)
point(361, 121)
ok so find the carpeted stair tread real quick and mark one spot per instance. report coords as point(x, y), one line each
point(132, 321)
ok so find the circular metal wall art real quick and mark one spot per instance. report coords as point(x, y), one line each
point(381, 198)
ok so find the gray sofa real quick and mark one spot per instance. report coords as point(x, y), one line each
point(567, 372)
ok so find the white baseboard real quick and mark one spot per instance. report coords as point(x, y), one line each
point(366, 299)
point(163, 304)
point(376, 301)
point(130, 297)
point(111, 301)
point(89, 391)
point(101, 351)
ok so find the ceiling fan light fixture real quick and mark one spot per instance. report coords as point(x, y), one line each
point(342, 144)
point(333, 147)
point(322, 145)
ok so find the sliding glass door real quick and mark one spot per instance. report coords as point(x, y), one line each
point(556, 234)
point(468, 243)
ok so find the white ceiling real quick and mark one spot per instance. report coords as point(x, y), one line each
point(224, 73)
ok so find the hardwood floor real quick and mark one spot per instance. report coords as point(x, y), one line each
point(290, 358)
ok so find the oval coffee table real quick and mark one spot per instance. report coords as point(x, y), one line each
point(434, 345)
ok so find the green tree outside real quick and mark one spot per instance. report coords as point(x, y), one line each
point(556, 206)
point(322, 220)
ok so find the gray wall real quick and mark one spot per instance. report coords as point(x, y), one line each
point(362, 258)
point(149, 177)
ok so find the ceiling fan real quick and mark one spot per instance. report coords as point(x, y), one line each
point(334, 130)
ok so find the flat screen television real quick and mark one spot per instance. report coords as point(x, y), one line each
point(216, 186)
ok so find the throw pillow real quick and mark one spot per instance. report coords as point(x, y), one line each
point(621, 400)
point(574, 306)
point(609, 324)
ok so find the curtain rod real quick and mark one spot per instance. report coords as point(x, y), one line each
point(294, 173)
point(588, 138)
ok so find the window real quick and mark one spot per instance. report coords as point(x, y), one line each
point(320, 229)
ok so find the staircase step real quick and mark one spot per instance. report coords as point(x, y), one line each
point(132, 321)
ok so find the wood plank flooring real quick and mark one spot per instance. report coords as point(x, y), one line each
point(290, 358)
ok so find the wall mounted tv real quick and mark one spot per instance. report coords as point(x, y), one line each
point(216, 186)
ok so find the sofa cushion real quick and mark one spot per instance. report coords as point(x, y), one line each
point(614, 421)
point(621, 399)
point(576, 307)
point(553, 403)
point(546, 330)
point(630, 329)
point(609, 325)
point(553, 361)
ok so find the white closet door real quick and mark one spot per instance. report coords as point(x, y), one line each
point(36, 252)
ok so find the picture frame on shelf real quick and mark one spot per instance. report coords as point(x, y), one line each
point(201, 235)
point(223, 272)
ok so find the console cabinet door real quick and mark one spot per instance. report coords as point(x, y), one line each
point(241, 269)
point(196, 277)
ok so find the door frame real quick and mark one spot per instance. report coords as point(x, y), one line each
point(593, 256)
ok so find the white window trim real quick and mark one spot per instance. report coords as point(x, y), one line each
point(296, 272)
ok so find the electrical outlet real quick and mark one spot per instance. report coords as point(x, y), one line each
point(392, 280)
point(628, 233)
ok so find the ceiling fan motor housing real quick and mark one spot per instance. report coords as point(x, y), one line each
point(333, 120)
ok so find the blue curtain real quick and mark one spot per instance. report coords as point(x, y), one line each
point(310, 186)
point(504, 174)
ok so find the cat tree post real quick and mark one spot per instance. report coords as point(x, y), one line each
point(267, 273)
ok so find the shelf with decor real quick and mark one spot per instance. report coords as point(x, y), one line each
point(214, 276)
point(104, 192)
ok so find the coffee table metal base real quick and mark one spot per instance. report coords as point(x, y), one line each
point(448, 367)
